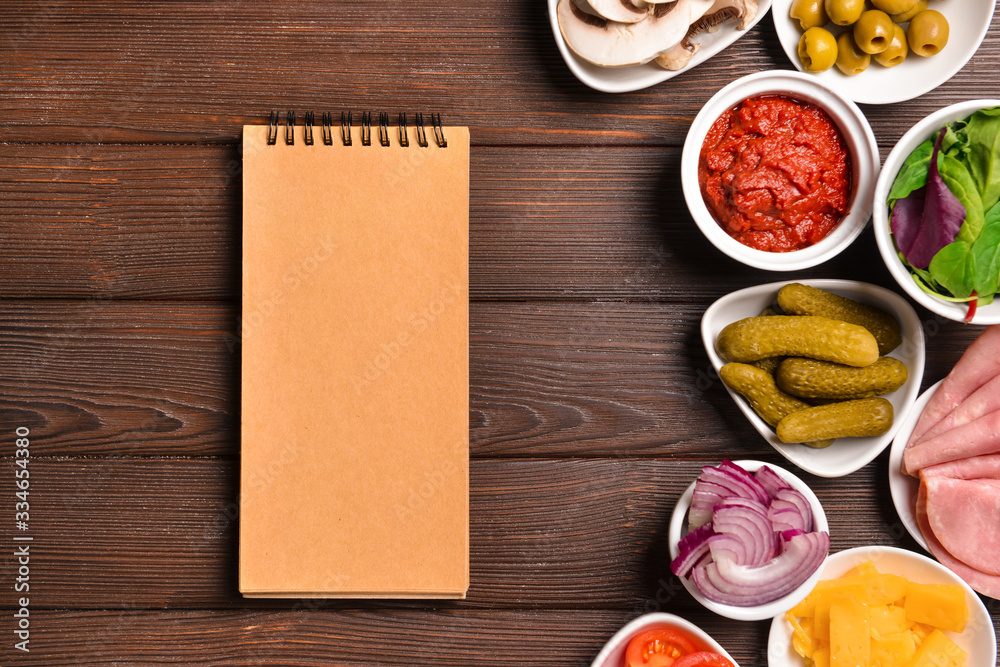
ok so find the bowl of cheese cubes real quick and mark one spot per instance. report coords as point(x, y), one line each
point(884, 606)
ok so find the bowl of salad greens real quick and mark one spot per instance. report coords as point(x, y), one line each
point(937, 212)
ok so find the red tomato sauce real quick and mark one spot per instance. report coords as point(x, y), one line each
point(775, 173)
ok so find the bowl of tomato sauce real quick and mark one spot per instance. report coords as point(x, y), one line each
point(778, 171)
point(659, 639)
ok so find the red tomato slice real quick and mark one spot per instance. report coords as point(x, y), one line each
point(658, 648)
point(703, 659)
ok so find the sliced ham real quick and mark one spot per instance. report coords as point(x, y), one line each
point(963, 515)
point(976, 438)
point(984, 582)
point(979, 364)
point(975, 467)
point(982, 401)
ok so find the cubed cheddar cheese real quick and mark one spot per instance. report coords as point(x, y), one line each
point(871, 588)
point(870, 619)
point(893, 650)
point(940, 605)
point(850, 632)
point(939, 651)
point(887, 620)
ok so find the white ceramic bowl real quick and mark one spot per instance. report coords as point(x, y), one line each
point(678, 528)
point(978, 639)
point(857, 134)
point(627, 79)
point(613, 653)
point(902, 487)
point(968, 21)
point(846, 455)
point(880, 213)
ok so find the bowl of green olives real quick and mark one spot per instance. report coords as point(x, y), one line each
point(881, 51)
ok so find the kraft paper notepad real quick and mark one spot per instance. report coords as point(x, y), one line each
point(355, 363)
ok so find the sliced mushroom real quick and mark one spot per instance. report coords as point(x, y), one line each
point(614, 44)
point(680, 55)
point(622, 11)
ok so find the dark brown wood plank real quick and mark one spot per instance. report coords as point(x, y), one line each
point(162, 222)
point(191, 71)
point(546, 533)
point(560, 379)
point(323, 637)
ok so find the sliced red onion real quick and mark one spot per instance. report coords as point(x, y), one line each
point(691, 549)
point(750, 539)
point(722, 547)
point(747, 521)
point(790, 509)
point(703, 501)
point(726, 582)
point(770, 480)
point(747, 482)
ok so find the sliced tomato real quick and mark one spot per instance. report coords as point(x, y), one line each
point(658, 648)
point(703, 659)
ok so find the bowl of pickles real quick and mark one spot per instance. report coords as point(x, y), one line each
point(884, 51)
point(824, 370)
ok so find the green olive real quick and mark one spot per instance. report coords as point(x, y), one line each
point(844, 12)
point(850, 59)
point(873, 31)
point(904, 17)
point(809, 13)
point(894, 6)
point(817, 50)
point(896, 53)
point(928, 33)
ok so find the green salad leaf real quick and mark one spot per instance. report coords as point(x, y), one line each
point(963, 185)
point(983, 132)
point(967, 269)
point(986, 254)
point(953, 267)
point(913, 174)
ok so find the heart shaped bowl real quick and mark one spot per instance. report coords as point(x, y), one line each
point(613, 653)
point(846, 455)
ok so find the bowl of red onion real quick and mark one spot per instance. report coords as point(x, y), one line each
point(748, 539)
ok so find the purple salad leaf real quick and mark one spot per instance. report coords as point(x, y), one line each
point(927, 219)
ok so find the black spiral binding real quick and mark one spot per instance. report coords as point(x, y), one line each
point(346, 128)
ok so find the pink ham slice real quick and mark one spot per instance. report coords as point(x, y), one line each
point(976, 438)
point(963, 515)
point(975, 467)
point(979, 364)
point(984, 582)
point(982, 401)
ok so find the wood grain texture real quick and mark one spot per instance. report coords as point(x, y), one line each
point(321, 637)
point(195, 72)
point(592, 402)
point(545, 533)
point(118, 378)
point(161, 222)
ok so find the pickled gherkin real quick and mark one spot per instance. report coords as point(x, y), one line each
point(757, 387)
point(799, 299)
point(754, 338)
point(811, 378)
point(859, 418)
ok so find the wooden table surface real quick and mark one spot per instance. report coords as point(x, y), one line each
point(592, 400)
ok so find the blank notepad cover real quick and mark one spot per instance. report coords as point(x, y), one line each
point(355, 368)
